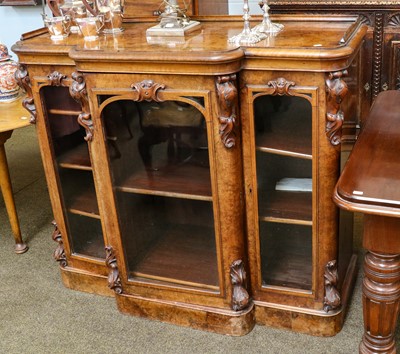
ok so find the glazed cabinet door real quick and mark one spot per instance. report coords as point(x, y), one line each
point(281, 185)
point(171, 174)
point(160, 167)
point(301, 265)
point(68, 167)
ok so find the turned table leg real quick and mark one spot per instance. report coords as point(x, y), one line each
point(6, 190)
point(381, 294)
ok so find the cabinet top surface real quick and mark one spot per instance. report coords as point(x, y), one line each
point(312, 38)
point(370, 179)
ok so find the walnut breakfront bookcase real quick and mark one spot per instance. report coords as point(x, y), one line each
point(192, 179)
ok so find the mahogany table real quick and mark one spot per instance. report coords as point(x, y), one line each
point(12, 116)
point(370, 184)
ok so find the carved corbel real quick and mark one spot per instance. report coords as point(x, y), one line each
point(78, 92)
point(281, 87)
point(332, 299)
point(147, 90)
point(240, 296)
point(23, 80)
point(227, 96)
point(59, 253)
point(336, 89)
point(56, 78)
point(114, 281)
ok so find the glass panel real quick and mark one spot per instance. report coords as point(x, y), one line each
point(286, 255)
point(160, 168)
point(283, 130)
point(74, 172)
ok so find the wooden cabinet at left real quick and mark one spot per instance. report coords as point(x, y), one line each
point(64, 147)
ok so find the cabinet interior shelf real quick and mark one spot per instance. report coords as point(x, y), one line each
point(286, 207)
point(85, 204)
point(183, 255)
point(186, 181)
point(285, 152)
point(76, 158)
point(64, 112)
point(287, 261)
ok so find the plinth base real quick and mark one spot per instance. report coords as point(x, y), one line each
point(222, 321)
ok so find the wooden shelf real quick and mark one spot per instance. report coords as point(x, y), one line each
point(86, 236)
point(76, 158)
point(183, 255)
point(287, 256)
point(283, 152)
point(296, 142)
point(285, 207)
point(85, 203)
point(179, 181)
point(64, 112)
point(285, 130)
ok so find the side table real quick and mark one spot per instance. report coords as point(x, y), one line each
point(370, 184)
point(12, 116)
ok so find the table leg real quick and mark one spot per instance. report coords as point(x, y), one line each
point(381, 295)
point(6, 189)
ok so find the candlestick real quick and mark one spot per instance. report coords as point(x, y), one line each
point(267, 26)
point(246, 36)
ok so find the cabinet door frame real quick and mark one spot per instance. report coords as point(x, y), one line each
point(251, 92)
point(135, 286)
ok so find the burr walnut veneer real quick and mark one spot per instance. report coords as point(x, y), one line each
point(192, 178)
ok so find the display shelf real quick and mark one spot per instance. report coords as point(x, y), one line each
point(76, 158)
point(85, 203)
point(64, 112)
point(288, 207)
point(293, 140)
point(283, 126)
point(171, 181)
point(286, 255)
point(86, 236)
point(183, 255)
point(285, 150)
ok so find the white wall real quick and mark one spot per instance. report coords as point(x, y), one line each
point(15, 20)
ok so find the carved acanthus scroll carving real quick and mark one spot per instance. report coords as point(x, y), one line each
point(56, 78)
point(114, 281)
point(336, 90)
point(59, 253)
point(227, 97)
point(281, 86)
point(240, 296)
point(332, 299)
point(78, 92)
point(22, 77)
point(147, 90)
